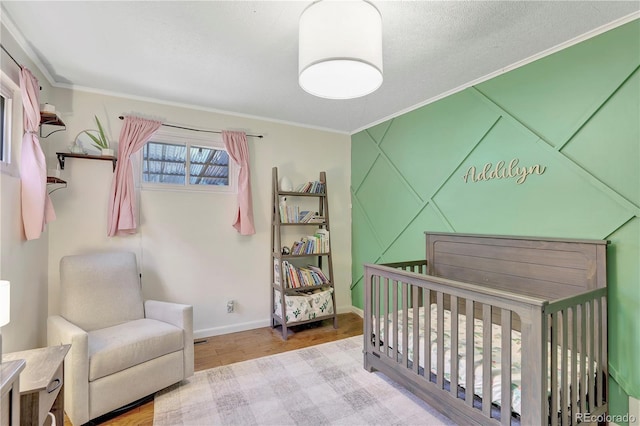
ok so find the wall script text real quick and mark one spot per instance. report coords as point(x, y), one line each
point(503, 171)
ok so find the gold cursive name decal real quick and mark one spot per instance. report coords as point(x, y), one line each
point(499, 171)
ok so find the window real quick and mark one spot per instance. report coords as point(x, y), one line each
point(171, 161)
point(8, 112)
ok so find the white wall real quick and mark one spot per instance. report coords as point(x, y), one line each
point(22, 262)
point(186, 247)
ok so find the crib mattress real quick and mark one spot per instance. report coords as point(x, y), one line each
point(496, 334)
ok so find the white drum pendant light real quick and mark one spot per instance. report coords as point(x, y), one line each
point(340, 49)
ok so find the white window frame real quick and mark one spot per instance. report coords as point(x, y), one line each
point(11, 92)
point(189, 139)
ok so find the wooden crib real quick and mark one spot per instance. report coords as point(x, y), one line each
point(549, 293)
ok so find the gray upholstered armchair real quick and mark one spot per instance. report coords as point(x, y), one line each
point(122, 348)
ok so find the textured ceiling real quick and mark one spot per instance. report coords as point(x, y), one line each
point(241, 56)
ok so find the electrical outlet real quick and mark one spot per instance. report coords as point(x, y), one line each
point(230, 306)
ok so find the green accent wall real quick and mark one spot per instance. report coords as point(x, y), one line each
point(577, 114)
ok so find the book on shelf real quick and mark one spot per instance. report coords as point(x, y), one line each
point(293, 214)
point(315, 187)
point(282, 206)
point(298, 277)
point(316, 219)
point(312, 244)
point(305, 215)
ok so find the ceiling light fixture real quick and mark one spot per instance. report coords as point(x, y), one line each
point(340, 49)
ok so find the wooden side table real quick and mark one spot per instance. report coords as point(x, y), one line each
point(41, 384)
point(9, 393)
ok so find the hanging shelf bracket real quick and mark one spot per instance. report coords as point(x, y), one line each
point(49, 119)
point(63, 155)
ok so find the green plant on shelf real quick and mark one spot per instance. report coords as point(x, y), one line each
point(100, 141)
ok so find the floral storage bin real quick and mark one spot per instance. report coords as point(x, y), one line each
point(322, 303)
point(298, 308)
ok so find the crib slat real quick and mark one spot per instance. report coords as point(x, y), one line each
point(405, 324)
point(604, 359)
point(394, 328)
point(469, 373)
point(427, 334)
point(564, 387)
point(591, 389)
point(505, 366)
point(574, 362)
point(554, 369)
point(440, 339)
point(386, 318)
point(583, 361)
point(599, 344)
point(486, 360)
point(453, 384)
point(375, 310)
point(415, 293)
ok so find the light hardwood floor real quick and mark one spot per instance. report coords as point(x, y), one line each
point(235, 347)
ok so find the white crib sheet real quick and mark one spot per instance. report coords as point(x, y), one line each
point(496, 335)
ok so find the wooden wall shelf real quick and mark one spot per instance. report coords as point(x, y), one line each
point(63, 155)
point(51, 119)
point(52, 180)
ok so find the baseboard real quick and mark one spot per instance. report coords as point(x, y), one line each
point(357, 311)
point(251, 325)
point(231, 328)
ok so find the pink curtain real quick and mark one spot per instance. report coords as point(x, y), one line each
point(236, 144)
point(37, 209)
point(135, 133)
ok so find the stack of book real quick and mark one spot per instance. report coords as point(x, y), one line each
point(293, 214)
point(312, 244)
point(315, 187)
point(297, 277)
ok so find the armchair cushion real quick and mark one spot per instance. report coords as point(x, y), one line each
point(100, 289)
point(121, 346)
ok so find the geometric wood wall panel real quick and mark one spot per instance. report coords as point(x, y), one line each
point(446, 133)
point(570, 96)
point(365, 245)
point(411, 243)
point(380, 195)
point(608, 145)
point(378, 131)
point(557, 203)
point(624, 265)
point(364, 148)
point(576, 113)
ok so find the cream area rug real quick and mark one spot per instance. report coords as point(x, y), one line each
point(319, 385)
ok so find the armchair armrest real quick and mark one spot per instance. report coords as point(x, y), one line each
point(76, 365)
point(179, 315)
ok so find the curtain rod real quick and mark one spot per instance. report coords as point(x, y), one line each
point(14, 60)
point(11, 56)
point(197, 130)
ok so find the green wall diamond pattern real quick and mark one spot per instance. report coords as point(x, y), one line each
point(365, 150)
point(410, 245)
point(624, 300)
point(605, 145)
point(377, 132)
point(556, 94)
point(577, 113)
point(556, 203)
point(380, 195)
point(444, 133)
point(366, 248)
